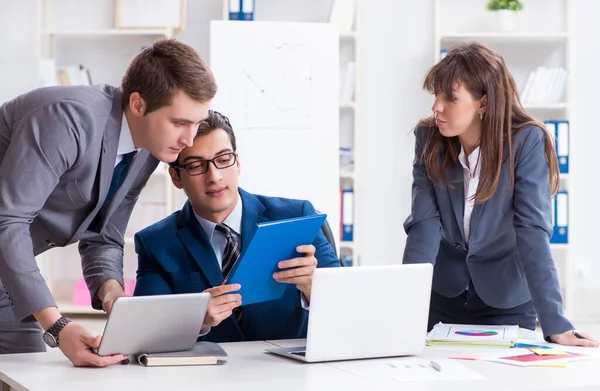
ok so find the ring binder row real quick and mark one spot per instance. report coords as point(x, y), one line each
point(559, 130)
point(241, 9)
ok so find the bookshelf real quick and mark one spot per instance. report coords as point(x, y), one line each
point(343, 13)
point(542, 39)
point(61, 43)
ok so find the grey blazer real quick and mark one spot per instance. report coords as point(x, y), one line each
point(57, 153)
point(508, 255)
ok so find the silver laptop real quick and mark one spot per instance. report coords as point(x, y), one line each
point(154, 324)
point(366, 312)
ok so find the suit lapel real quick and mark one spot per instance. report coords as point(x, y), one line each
point(197, 243)
point(475, 218)
point(252, 214)
point(457, 195)
point(110, 142)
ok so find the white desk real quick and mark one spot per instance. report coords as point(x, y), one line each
point(249, 368)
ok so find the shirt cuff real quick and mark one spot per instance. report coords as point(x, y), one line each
point(204, 331)
point(304, 302)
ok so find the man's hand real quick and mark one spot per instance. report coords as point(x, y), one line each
point(75, 342)
point(303, 270)
point(222, 303)
point(574, 338)
point(108, 292)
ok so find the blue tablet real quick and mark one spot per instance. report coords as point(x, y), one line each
point(273, 242)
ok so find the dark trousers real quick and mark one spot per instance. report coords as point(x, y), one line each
point(17, 337)
point(468, 308)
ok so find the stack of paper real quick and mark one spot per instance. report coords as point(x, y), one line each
point(460, 334)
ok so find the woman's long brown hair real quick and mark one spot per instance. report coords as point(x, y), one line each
point(483, 73)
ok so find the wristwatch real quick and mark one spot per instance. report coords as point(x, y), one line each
point(51, 335)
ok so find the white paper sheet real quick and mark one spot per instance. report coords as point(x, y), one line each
point(408, 369)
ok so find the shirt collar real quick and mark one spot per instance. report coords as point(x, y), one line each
point(126, 144)
point(474, 160)
point(233, 221)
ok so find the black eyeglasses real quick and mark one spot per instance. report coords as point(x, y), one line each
point(200, 166)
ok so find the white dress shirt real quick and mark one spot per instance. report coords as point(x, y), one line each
point(471, 172)
point(126, 144)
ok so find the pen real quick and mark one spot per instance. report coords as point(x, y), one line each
point(577, 335)
point(436, 366)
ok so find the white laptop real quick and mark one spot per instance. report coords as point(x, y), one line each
point(154, 324)
point(366, 312)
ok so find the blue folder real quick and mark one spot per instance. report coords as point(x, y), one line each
point(273, 241)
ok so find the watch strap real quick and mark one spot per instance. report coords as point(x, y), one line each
point(57, 327)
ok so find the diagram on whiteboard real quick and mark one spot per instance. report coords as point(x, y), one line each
point(277, 101)
point(278, 96)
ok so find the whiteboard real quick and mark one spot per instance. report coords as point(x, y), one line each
point(278, 82)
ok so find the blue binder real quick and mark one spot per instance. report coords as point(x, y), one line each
point(273, 241)
point(562, 146)
point(347, 205)
point(235, 10)
point(443, 53)
point(560, 218)
point(559, 130)
point(247, 9)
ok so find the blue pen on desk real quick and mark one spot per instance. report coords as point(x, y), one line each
point(436, 366)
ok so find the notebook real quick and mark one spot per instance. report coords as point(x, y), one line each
point(461, 334)
point(273, 241)
point(203, 353)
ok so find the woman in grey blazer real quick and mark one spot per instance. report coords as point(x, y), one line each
point(484, 175)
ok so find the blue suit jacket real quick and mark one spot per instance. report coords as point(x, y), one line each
point(508, 255)
point(175, 256)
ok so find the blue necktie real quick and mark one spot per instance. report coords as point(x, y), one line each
point(119, 175)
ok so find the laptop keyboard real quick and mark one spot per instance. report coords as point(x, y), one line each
point(300, 353)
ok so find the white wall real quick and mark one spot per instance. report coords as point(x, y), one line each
point(17, 47)
point(584, 142)
point(393, 56)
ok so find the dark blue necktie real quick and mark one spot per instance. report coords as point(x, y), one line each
point(119, 175)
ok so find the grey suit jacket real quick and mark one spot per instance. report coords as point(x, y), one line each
point(57, 153)
point(508, 255)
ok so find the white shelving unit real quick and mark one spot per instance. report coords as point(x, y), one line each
point(349, 110)
point(542, 38)
point(349, 120)
point(61, 266)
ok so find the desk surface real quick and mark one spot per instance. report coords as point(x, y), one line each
point(250, 368)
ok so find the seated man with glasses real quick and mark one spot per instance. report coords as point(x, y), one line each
point(194, 249)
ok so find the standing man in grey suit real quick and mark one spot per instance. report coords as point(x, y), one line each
point(73, 161)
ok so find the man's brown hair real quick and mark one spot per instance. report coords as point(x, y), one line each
point(164, 68)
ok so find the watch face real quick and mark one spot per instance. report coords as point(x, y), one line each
point(50, 340)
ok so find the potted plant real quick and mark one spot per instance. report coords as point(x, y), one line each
point(506, 11)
